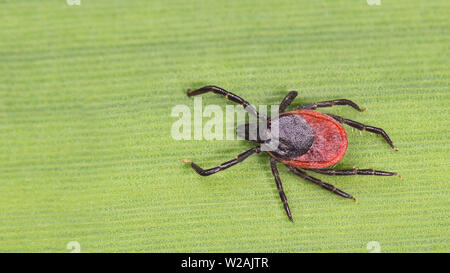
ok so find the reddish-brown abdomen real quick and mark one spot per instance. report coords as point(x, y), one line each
point(330, 141)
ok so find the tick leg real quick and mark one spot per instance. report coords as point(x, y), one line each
point(330, 103)
point(353, 171)
point(230, 96)
point(287, 101)
point(225, 165)
point(319, 182)
point(273, 165)
point(363, 127)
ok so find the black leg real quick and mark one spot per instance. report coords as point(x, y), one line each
point(230, 96)
point(363, 127)
point(225, 165)
point(319, 182)
point(330, 103)
point(353, 171)
point(287, 101)
point(273, 165)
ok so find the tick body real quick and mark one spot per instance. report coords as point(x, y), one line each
point(306, 140)
point(324, 144)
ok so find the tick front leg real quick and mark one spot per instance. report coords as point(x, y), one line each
point(229, 96)
point(330, 103)
point(353, 171)
point(363, 127)
point(319, 182)
point(287, 101)
point(225, 165)
point(273, 165)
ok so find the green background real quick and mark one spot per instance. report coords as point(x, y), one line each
point(86, 153)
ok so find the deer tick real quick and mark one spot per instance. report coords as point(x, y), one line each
point(307, 139)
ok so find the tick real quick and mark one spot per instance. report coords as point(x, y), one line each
point(307, 140)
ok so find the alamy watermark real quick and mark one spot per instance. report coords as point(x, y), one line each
point(374, 2)
point(220, 125)
point(73, 2)
point(74, 246)
point(374, 247)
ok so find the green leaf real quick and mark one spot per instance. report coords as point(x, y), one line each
point(86, 154)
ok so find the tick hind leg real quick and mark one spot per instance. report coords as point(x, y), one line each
point(353, 171)
point(273, 165)
point(319, 182)
point(225, 165)
point(330, 103)
point(230, 96)
point(363, 127)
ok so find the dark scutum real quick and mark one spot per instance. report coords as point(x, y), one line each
point(295, 134)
